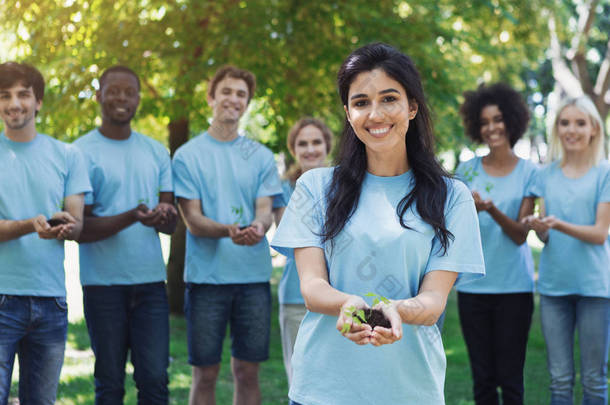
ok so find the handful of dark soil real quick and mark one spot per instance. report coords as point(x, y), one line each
point(374, 317)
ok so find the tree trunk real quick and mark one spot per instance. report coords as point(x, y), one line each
point(178, 135)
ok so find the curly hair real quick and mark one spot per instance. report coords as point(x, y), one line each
point(515, 113)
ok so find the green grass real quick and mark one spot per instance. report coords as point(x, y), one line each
point(76, 385)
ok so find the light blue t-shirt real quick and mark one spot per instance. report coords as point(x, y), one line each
point(124, 174)
point(569, 265)
point(509, 268)
point(374, 253)
point(35, 177)
point(289, 289)
point(227, 177)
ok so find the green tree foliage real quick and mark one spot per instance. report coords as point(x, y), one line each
point(294, 47)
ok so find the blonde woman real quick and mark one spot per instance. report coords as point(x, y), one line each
point(574, 272)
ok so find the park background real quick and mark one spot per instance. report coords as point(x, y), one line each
point(546, 49)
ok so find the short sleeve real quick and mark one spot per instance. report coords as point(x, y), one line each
point(184, 185)
point(605, 184)
point(536, 185)
point(464, 253)
point(166, 183)
point(269, 183)
point(302, 222)
point(282, 200)
point(77, 180)
point(531, 176)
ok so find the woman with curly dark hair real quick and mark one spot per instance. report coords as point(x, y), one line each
point(386, 220)
point(496, 311)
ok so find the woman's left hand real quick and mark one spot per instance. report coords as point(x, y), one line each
point(384, 336)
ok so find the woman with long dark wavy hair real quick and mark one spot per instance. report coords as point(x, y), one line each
point(386, 220)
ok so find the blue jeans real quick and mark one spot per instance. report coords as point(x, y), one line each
point(591, 316)
point(34, 328)
point(129, 317)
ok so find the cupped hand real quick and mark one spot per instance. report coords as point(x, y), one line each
point(146, 216)
point(539, 225)
point(480, 204)
point(43, 229)
point(66, 229)
point(384, 336)
point(168, 212)
point(551, 221)
point(357, 333)
point(248, 236)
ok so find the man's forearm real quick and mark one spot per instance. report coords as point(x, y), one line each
point(204, 227)
point(99, 228)
point(14, 229)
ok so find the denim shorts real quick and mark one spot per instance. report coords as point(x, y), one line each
point(210, 307)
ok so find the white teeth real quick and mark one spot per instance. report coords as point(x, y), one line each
point(379, 131)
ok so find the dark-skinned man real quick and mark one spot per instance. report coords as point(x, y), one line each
point(121, 264)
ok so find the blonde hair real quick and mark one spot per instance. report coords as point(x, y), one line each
point(584, 104)
point(295, 171)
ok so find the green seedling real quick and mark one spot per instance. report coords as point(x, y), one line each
point(489, 186)
point(357, 317)
point(377, 298)
point(239, 212)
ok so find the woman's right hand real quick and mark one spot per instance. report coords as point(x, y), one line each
point(480, 204)
point(359, 334)
point(539, 225)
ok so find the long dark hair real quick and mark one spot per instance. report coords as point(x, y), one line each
point(430, 190)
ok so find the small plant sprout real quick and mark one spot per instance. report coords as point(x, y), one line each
point(377, 298)
point(489, 186)
point(357, 317)
point(369, 316)
point(239, 212)
point(60, 205)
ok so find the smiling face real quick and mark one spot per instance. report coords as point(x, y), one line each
point(493, 130)
point(18, 107)
point(575, 129)
point(119, 97)
point(230, 100)
point(379, 111)
point(310, 148)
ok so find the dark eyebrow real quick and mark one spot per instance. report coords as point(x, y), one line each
point(389, 91)
point(386, 91)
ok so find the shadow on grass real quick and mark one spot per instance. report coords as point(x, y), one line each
point(78, 336)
